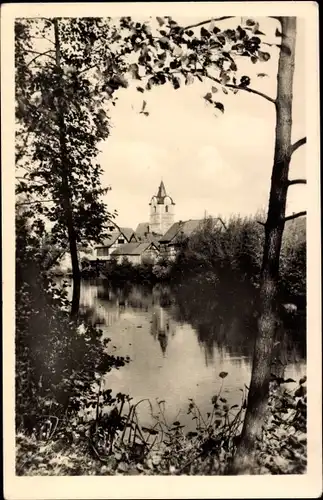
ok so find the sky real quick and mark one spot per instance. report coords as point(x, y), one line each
point(218, 164)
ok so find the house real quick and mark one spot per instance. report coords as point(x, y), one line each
point(117, 237)
point(136, 253)
point(172, 240)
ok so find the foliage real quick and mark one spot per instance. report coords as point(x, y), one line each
point(293, 260)
point(55, 97)
point(232, 257)
point(57, 359)
point(120, 273)
point(115, 442)
point(169, 52)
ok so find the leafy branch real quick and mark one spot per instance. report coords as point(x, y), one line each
point(241, 87)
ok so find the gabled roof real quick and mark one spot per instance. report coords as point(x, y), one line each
point(133, 248)
point(127, 232)
point(114, 235)
point(107, 242)
point(142, 228)
point(186, 228)
point(180, 228)
point(151, 238)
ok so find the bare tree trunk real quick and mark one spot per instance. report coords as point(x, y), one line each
point(245, 457)
point(66, 191)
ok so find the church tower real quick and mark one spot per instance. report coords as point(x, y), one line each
point(161, 211)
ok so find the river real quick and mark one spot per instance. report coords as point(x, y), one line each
point(179, 342)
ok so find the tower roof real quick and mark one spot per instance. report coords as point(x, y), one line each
point(161, 191)
point(161, 194)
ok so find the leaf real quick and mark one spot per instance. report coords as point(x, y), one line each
point(176, 82)
point(189, 79)
point(144, 104)
point(205, 32)
point(134, 69)
point(160, 21)
point(300, 392)
point(234, 406)
point(214, 89)
point(224, 77)
point(263, 56)
point(262, 75)
point(223, 400)
point(208, 97)
point(289, 380)
point(278, 33)
point(286, 50)
point(123, 467)
point(250, 22)
point(176, 423)
point(302, 380)
point(140, 89)
point(222, 374)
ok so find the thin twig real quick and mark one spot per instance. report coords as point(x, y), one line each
point(223, 18)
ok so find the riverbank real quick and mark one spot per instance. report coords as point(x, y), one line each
point(167, 448)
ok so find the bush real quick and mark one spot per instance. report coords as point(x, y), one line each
point(232, 256)
point(57, 359)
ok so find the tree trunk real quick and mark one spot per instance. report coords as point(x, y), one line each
point(66, 191)
point(245, 458)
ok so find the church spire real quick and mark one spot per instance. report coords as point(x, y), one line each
point(161, 191)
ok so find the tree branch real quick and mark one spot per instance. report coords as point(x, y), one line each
point(295, 216)
point(246, 89)
point(223, 18)
point(296, 181)
point(298, 144)
point(39, 54)
point(31, 202)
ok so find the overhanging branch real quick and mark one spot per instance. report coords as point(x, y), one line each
point(223, 18)
point(298, 144)
point(295, 216)
point(246, 89)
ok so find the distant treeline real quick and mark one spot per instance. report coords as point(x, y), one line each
point(230, 257)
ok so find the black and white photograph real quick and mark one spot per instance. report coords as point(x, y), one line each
point(162, 197)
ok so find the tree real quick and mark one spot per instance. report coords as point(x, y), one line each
point(61, 91)
point(213, 55)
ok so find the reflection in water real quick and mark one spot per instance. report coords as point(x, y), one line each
point(180, 339)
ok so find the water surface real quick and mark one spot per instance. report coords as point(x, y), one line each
point(179, 341)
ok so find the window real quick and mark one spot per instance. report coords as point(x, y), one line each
point(121, 241)
point(111, 228)
point(154, 209)
point(166, 209)
point(102, 251)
